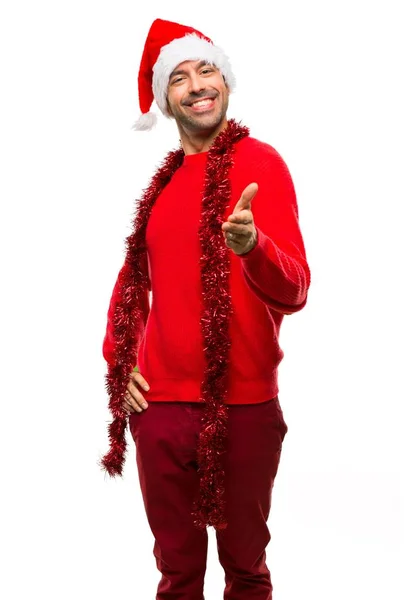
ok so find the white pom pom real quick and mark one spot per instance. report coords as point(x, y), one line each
point(145, 122)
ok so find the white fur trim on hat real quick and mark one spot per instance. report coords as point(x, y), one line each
point(145, 122)
point(189, 47)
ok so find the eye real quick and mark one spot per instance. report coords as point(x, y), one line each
point(208, 70)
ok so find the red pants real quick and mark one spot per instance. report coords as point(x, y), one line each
point(166, 437)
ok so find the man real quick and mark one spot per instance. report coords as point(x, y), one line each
point(216, 238)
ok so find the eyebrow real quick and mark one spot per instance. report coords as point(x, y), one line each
point(183, 71)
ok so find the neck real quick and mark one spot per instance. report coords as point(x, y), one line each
point(199, 141)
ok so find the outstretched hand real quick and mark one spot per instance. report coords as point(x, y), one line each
point(239, 230)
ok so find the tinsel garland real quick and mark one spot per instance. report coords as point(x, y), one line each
point(208, 509)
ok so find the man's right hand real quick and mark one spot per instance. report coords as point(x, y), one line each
point(134, 400)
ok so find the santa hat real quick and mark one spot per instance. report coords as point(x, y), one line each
point(167, 45)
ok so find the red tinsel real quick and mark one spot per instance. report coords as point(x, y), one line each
point(215, 268)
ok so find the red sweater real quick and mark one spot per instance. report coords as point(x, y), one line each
point(265, 284)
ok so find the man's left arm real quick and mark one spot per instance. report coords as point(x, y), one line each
point(276, 269)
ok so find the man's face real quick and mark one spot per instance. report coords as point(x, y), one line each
point(197, 96)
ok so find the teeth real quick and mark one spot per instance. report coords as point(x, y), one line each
point(202, 102)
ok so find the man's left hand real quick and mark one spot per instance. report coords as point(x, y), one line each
point(239, 230)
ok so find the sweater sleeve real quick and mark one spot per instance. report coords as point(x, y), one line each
point(276, 269)
point(108, 346)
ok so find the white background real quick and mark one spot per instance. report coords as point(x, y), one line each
point(328, 84)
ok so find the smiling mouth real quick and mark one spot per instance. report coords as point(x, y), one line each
point(202, 105)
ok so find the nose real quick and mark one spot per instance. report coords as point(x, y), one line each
point(196, 84)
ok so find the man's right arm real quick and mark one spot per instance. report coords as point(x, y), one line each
point(108, 346)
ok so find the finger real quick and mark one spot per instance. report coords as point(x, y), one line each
point(127, 408)
point(132, 403)
point(135, 399)
point(138, 378)
point(236, 228)
point(233, 242)
point(132, 388)
point(247, 196)
point(244, 216)
point(135, 408)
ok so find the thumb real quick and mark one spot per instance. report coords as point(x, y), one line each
point(246, 198)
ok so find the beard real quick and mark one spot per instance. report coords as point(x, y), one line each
point(199, 123)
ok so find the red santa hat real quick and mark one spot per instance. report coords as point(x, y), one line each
point(167, 45)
